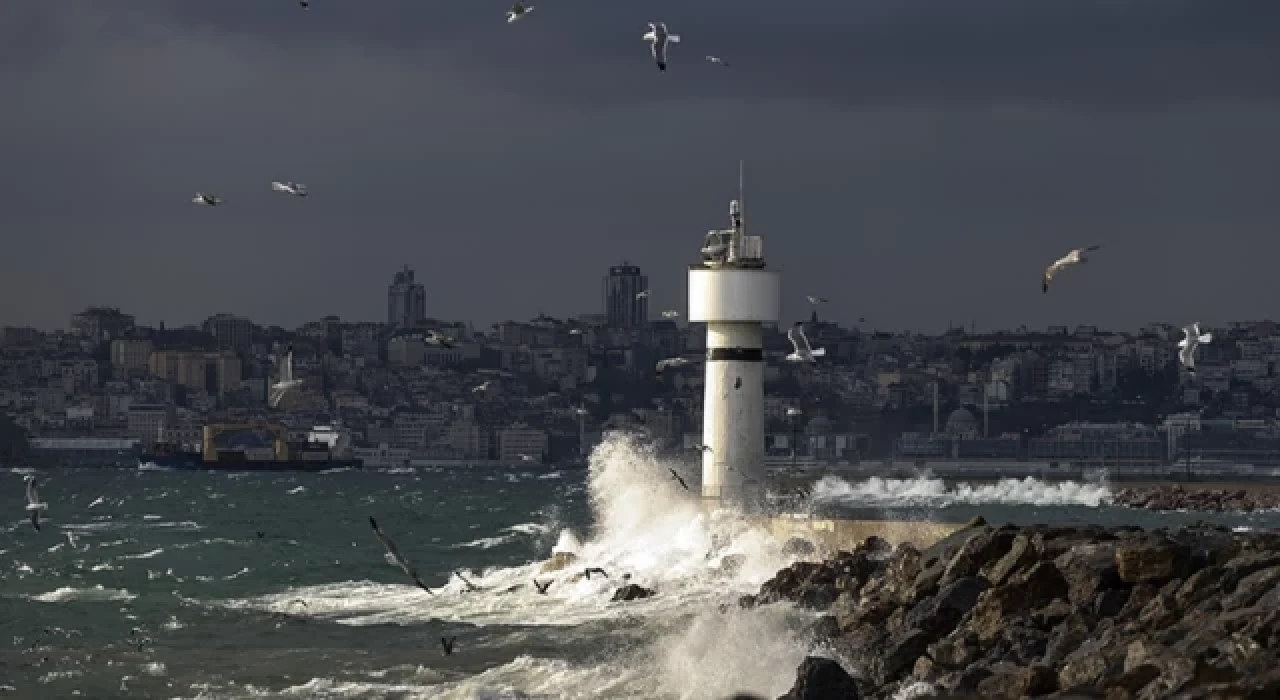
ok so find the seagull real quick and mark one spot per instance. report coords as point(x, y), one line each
point(447, 643)
point(304, 4)
point(703, 448)
point(594, 570)
point(482, 387)
point(209, 199)
point(672, 362)
point(642, 295)
point(542, 587)
point(817, 300)
point(793, 411)
point(671, 314)
point(1075, 257)
point(678, 478)
point(470, 586)
point(658, 37)
point(33, 502)
point(717, 60)
point(526, 458)
point(800, 343)
point(1191, 339)
point(290, 187)
point(576, 331)
point(437, 338)
point(286, 382)
point(518, 10)
point(395, 554)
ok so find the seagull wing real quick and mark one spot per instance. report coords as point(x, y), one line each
point(35, 519)
point(793, 336)
point(1092, 248)
point(801, 341)
point(32, 496)
point(395, 554)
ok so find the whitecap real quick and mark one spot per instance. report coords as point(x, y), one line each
point(929, 492)
point(97, 594)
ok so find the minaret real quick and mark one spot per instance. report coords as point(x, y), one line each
point(733, 293)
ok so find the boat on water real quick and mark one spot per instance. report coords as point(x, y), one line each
point(257, 448)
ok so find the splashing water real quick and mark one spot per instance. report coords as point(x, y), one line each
point(929, 492)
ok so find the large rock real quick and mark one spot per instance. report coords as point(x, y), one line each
point(822, 679)
point(1152, 561)
point(1024, 593)
point(1089, 570)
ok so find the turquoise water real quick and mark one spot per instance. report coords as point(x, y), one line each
point(163, 584)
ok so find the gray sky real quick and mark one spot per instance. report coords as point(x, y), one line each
point(915, 161)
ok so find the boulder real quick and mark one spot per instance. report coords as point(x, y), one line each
point(1152, 561)
point(1015, 683)
point(822, 679)
point(937, 615)
point(1089, 570)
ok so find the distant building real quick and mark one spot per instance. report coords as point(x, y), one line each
point(406, 300)
point(216, 373)
point(516, 441)
point(101, 323)
point(129, 355)
point(623, 306)
point(231, 332)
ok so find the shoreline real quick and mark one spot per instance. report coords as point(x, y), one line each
point(1034, 611)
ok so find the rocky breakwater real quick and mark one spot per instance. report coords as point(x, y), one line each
point(1209, 500)
point(1044, 611)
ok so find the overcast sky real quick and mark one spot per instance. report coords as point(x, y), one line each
point(918, 162)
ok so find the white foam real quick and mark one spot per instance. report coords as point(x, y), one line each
point(929, 492)
point(97, 594)
point(646, 526)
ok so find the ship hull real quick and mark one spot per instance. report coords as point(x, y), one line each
point(194, 462)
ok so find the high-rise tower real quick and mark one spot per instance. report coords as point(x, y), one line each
point(733, 293)
point(406, 300)
point(626, 303)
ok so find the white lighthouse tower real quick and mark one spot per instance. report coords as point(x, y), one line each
point(733, 293)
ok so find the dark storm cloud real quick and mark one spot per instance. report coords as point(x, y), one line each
point(1087, 53)
point(917, 162)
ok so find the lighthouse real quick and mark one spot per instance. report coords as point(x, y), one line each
point(734, 294)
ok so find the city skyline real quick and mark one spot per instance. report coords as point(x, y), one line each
point(916, 163)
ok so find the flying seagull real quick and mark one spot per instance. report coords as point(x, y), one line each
point(207, 199)
point(717, 60)
point(542, 587)
point(1075, 257)
point(642, 295)
point(658, 38)
point(1191, 339)
point(305, 4)
point(594, 570)
point(672, 362)
point(285, 382)
point(817, 300)
point(576, 331)
point(33, 502)
point(703, 448)
point(292, 188)
point(518, 10)
point(437, 338)
point(671, 314)
point(470, 586)
point(395, 554)
point(526, 458)
point(803, 352)
point(447, 643)
point(482, 387)
point(677, 478)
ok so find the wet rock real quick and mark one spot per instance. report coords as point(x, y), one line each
point(1089, 569)
point(821, 679)
point(1015, 683)
point(632, 591)
point(1152, 561)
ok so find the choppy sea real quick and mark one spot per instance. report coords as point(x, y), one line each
point(159, 584)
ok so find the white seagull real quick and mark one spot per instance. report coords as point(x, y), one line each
point(576, 331)
point(672, 362)
point(482, 387)
point(1191, 339)
point(800, 344)
point(207, 199)
point(526, 458)
point(817, 300)
point(671, 314)
point(658, 38)
point(1075, 257)
point(718, 61)
point(285, 382)
point(518, 10)
point(33, 502)
point(292, 188)
point(437, 338)
point(642, 295)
